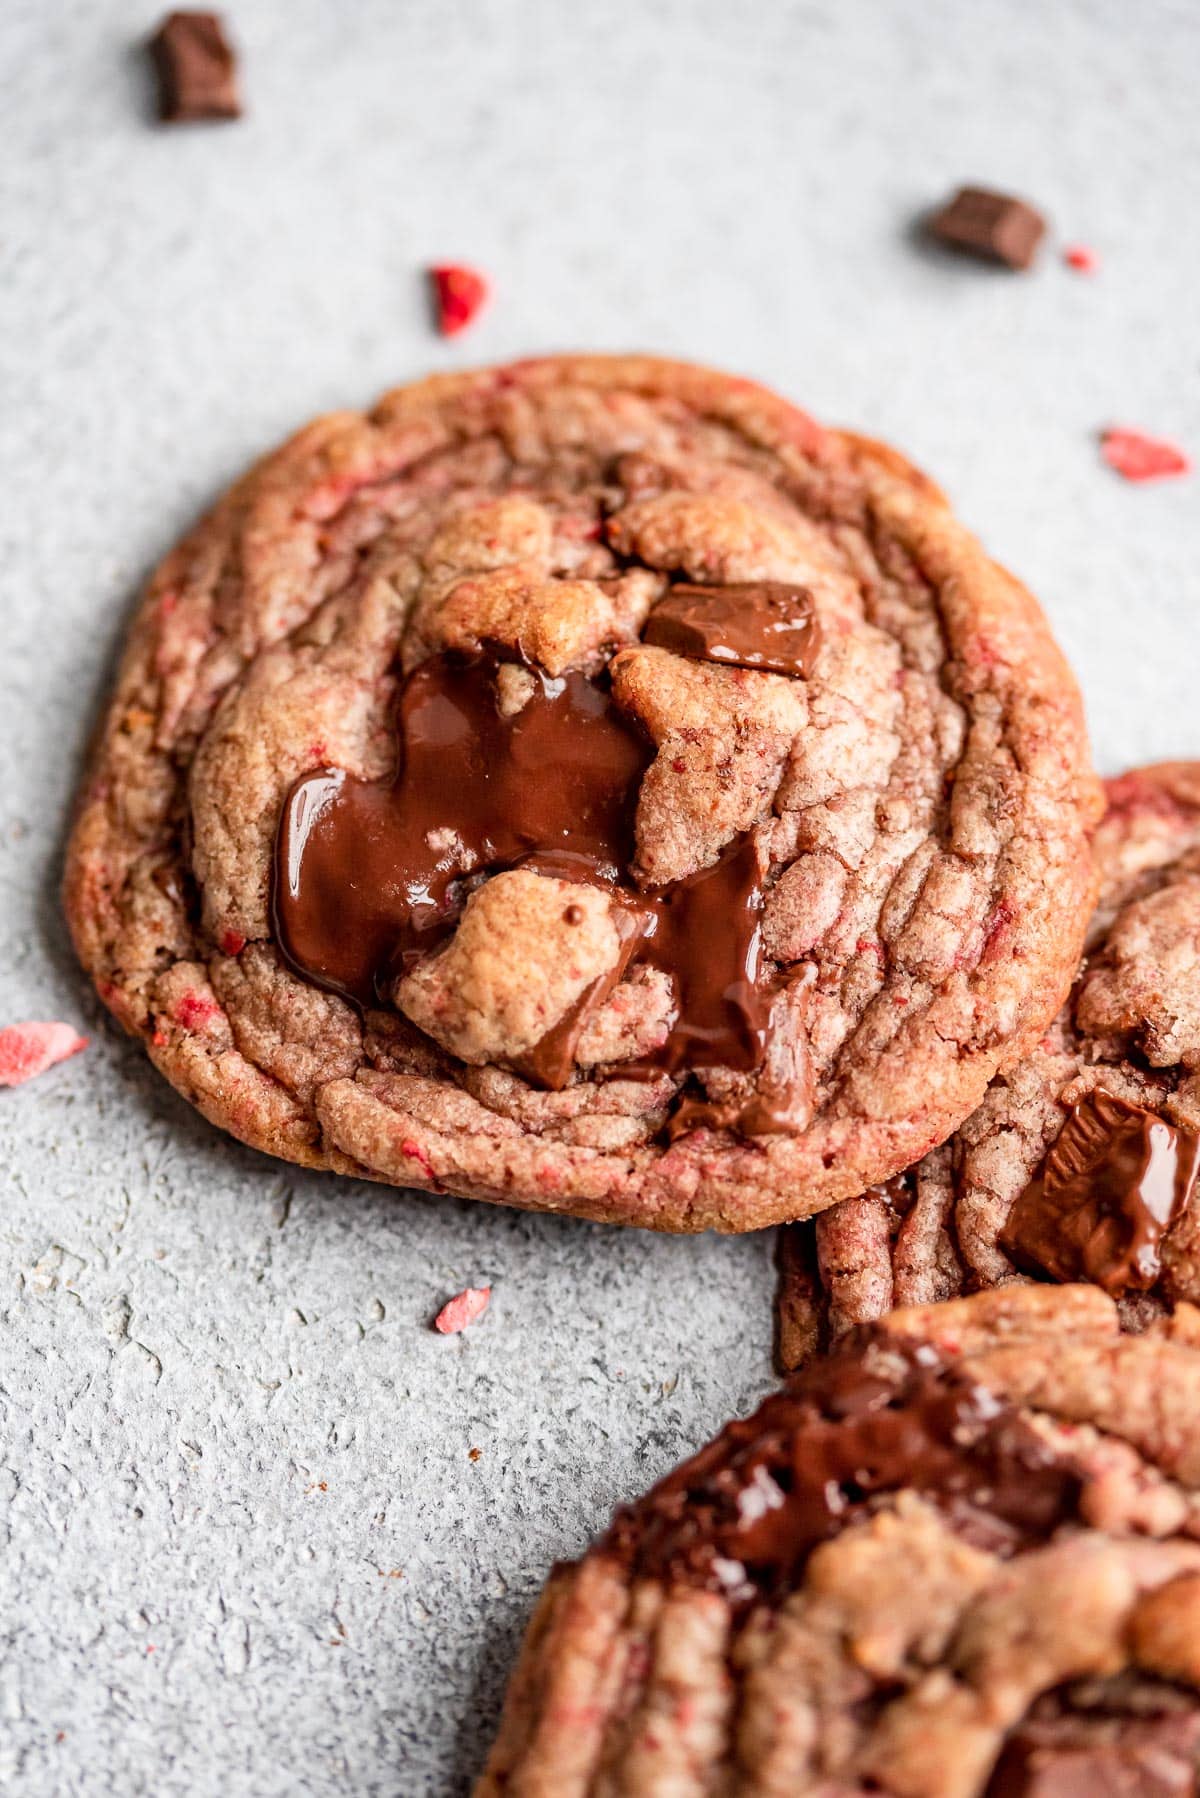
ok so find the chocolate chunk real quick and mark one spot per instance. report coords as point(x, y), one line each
point(767, 624)
point(995, 227)
point(745, 1513)
point(197, 68)
point(1111, 1186)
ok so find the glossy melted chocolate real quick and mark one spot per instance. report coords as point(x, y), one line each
point(744, 1514)
point(770, 625)
point(371, 875)
point(1110, 1188)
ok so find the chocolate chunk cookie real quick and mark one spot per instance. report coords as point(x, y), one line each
point(1081, 1163)
point(589, 785)
point(960, 1558)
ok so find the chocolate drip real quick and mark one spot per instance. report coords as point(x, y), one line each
point(766, 625)
point(1108, 1191)
point(705, 933)
point(369, 875)
point(744, 1514)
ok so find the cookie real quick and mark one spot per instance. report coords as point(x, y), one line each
point(959, 1557)
point(1081, 1163)
point(589, 785)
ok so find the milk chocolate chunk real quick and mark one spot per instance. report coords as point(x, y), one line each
point(769, 625)
point(1111, 1186)
point(197, 69)
point(994, 227)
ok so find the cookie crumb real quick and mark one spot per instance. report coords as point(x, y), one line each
point(1141, 458)
point(458, 295)
point(473, 1454)
point(1081, 258)
point(27, 1050)
point(463, 1309)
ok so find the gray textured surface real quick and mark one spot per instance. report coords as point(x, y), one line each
point(246, 1549)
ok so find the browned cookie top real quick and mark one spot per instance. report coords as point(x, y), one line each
point(960, 1557)
point(1081, 1163)
point(591, 785)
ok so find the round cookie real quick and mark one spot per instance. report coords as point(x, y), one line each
point(589, 785)
point(1081, 1163)
point(959, 1558)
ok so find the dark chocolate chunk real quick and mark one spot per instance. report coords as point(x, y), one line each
point(995, 227)
point(743, 1515)
point(1112, 1184)
point(197, 69)
point(764, 624)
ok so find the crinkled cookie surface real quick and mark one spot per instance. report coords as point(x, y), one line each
point(845, 761)
point(960, 1558)
point(1082, 1161)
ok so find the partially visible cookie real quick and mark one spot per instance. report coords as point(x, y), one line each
point(959, 1558)
point(1082, 1161)
point(590, 785)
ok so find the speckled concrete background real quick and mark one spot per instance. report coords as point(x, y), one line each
point(246, 1549)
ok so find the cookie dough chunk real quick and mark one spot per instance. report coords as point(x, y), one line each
point(612, 636)
point(525, 953)
point(1082, 1161)
point(960, 1558)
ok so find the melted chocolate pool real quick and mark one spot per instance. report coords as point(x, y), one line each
point(372, 875)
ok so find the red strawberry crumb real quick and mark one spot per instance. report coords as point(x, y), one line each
point(458, 294)
point(1141, 458)
point(462, 1309)
point(995, 929)
point(232, 942)
point(1082, 258)
point(193, 1011)
point(160, 1039)
point(29, 1049)
point(415, 1152)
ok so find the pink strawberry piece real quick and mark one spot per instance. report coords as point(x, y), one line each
point(29, 1049)
point(1082, 258)
point(462, 1309)
point(1141, 458)
point(458, 295)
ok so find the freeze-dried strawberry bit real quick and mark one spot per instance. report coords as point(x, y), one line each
point(464, 1308)
point(1082, 258)
point(458, 294)
point(29, 1049)
point(1142, 458)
